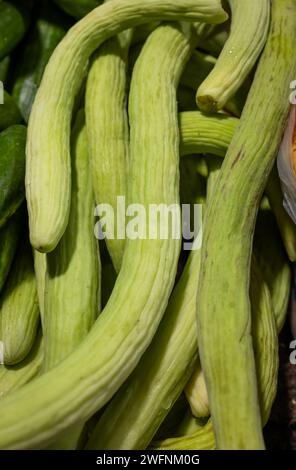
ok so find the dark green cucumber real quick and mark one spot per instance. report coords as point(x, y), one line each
point(9, 112)
point(48, 31)
point(12, 170)
point(4, 66)
point(14, 22)
point(78, 8)
point(9, 236)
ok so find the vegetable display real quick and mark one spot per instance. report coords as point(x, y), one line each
point(147, 223)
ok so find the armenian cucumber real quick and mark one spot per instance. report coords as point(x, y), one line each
point(48, 169)
point(225, 343)
point(19, 310)
point(12, 170)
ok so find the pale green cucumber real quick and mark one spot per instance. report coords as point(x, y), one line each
point(73, 273)
point(225, 344)
point(108, 131)
point(19, 310)
point(14, 377)
point(48, 172)
point(90, 376)
point(248, 32)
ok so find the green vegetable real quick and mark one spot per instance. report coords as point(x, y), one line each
point(108, 132)
point(71, 286)
point(12, 170)
point(196, 394)
point(225, 343)
point(66, 395)
point(9, 112)
point(14, 377)
point(9, 236)
point(248, 32)
point(48, 31)
point(48, 173)
point(19, 311)
point(78, 8)
point(273, 263)
point(14, 21)
point(202, 439)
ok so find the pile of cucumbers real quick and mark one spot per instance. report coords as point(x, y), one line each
point(136, 343)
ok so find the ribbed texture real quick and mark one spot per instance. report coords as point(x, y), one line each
point(14, 377)
point(19, 310)
point(48, 175)
point(90, 376)
point(200, 133)
point(249, 27)
point(224, 323)
point(202, 439)
point(108, 131)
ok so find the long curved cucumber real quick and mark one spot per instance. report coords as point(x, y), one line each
point(225, 344)
point(248, 33)
point(48, 173)
point(90, 376)
point(12, 170)
point(108, 130)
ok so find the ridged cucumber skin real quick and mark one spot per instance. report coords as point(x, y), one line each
point(9, 237)
point(48, 31)
point(19, 310)
point(12, 170)
point(14, 377)
point(9, 112)
point(14, 22)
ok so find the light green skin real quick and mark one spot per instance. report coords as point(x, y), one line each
point(225, 343)
point(19, 310)
point(73, 272)
point(48, 171)
point(14, 377)
point(249, 27)
point(134, 415)
point(107, 128)
point(266, 350)
point(202, 439)
point(76, 388)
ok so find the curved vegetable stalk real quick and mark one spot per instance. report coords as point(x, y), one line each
point(72, 282)
point(19, 312)
point(197, 395)
point(89, 377)
point(108, 131)
point(14, 377)
point(228, 357)
point(249, 27)
point(48, 171)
